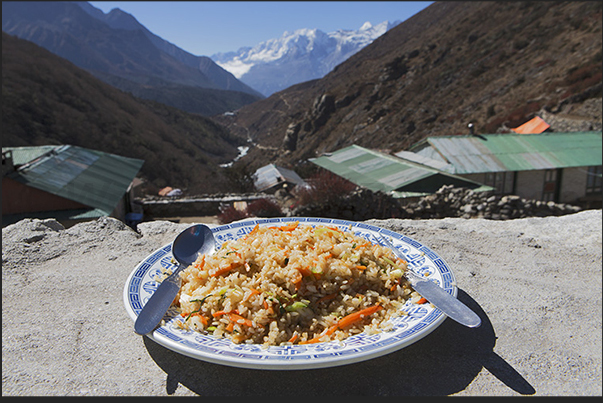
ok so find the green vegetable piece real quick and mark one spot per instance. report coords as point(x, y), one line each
point(393, 264)
point(295, 306)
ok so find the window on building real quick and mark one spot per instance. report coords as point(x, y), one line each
point(549, 189)
point(593, 180)
point(502, 182)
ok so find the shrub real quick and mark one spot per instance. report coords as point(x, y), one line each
point(324, 187)
point(520, 44)
point(257, 208)
point(230, 214)
point(491, 111)
point(264, 208)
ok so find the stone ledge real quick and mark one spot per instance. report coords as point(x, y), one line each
point(535, 282)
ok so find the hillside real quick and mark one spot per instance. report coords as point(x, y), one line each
point(48, 100)
point(122, 52)
point(191, 99)
point(494, 64)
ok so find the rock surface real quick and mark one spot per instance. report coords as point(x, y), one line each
point(449, 201)
point(535, 282)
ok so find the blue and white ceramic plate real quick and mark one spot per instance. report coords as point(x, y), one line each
point(420, 321)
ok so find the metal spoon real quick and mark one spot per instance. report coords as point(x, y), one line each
point(187, 246)
point(452, 307)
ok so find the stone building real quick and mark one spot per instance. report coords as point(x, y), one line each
point(71, 184)
point(548, 166)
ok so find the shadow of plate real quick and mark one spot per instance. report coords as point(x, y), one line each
point(443, 363)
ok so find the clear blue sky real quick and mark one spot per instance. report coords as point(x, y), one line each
point(204, 28)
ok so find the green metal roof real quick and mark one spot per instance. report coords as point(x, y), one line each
point(90, 177)
point(382, 172)
point(23, 155)
point(514, 152)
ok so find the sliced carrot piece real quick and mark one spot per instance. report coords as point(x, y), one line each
point(327, 332)
point(305, 270)
point(203, 319)
point(289, 227)
point(219, 313)
point(357, 316)
point(255, 229)
point(240, 320)
point(251, 294)
point(201, 263)
point(226, 269)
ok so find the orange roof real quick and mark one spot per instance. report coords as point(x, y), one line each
point(165, 191)
point(534, 126)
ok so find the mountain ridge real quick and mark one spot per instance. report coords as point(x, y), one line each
point(116, 45)
point(47, 100)
point(302, 55)
point(119, 19)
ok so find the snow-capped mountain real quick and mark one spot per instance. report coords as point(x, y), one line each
point(295, 57)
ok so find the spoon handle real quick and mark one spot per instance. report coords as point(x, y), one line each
point(452, 307)
point(156, 307)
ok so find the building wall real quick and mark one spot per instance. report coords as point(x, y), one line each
point(480, 178)
point(503, 182)
point(19, 198)
point(121, 209)
point(530, 184)
point(573, 184)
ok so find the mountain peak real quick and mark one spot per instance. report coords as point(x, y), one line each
point(119, 19)
point(366, 26)
point(302, 55)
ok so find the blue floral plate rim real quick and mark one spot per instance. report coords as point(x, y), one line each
point(408, 329)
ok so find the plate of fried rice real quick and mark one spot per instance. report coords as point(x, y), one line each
point(294, 293)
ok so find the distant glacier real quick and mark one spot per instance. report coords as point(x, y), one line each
point(295, 57)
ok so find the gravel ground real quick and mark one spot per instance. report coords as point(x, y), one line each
point(535, 282)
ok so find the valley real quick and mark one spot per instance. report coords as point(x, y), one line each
point(493, 64)
point(432, 75)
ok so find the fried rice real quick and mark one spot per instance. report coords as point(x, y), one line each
point(294, 284)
